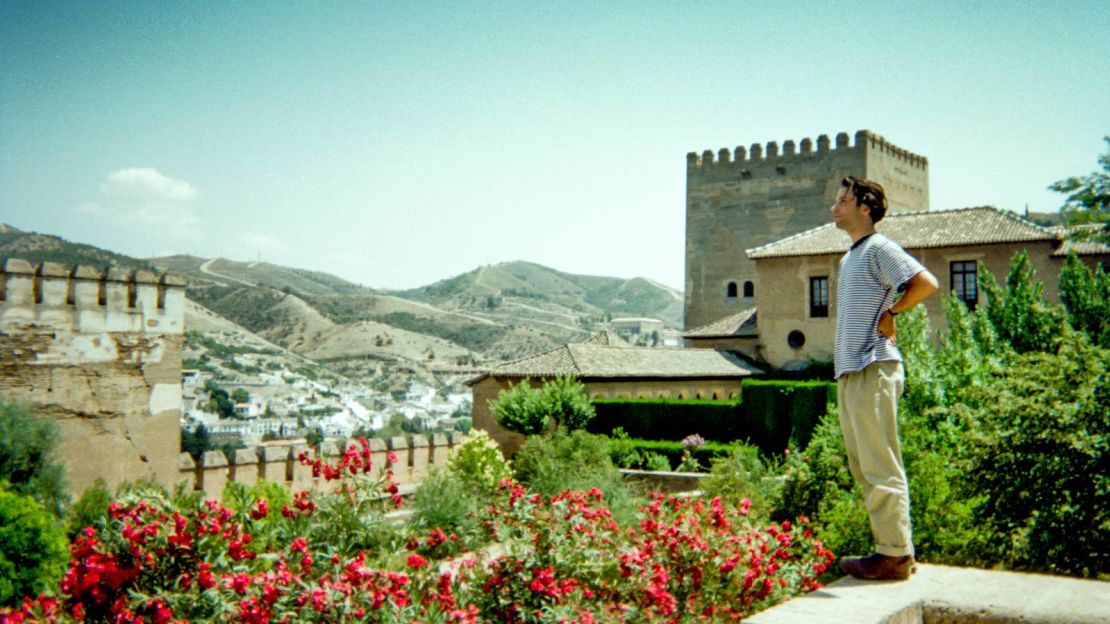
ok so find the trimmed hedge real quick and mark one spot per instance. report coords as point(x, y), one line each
point(773, 415)
point(787, 410)
point(670, 419)
point(673, 450)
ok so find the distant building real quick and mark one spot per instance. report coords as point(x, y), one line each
point(631, 326)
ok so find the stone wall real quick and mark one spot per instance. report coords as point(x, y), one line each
point(488, 388)
point(100, 353)
point(747, 197)
point(277, 462)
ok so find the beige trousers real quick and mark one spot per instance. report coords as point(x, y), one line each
point(868, 406)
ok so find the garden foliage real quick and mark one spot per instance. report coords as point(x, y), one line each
point(772, 415)
point(27, 445)
point(33, 551)
point(265, 556)
point(636, 453)
point(531, 411)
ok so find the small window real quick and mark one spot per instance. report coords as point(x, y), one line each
point(749, 289)
point(796, 339)
point(730, 291)
point(819, 296)
point(965, 282)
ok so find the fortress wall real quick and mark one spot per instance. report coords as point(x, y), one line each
point(279, 463)
point(904, 175)
point(747, 197)
point(100, 353)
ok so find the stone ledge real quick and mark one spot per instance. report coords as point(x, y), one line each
point(946, 595)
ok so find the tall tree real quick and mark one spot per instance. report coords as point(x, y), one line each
point(1088, 199)
point(1019, 312)
point(1086, 297)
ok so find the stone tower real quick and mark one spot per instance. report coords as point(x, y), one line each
point(741, 199)
point(100, 353)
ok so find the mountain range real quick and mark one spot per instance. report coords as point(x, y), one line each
point(492, 313)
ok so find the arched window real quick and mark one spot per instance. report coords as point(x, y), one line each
point(749, 289)
point(731, 290)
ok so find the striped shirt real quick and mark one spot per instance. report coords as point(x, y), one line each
point(872, 271)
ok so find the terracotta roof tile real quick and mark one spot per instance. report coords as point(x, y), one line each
point(600, 361)
point(919, 230)
point(741, 324)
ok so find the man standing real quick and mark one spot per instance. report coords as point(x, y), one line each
point(869, 372)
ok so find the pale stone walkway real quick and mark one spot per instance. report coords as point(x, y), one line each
point(946, 595)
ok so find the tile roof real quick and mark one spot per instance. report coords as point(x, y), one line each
point(920, 230)
point(606, 337)
point(1082, 246)
point(600, 361)
point(741, 324)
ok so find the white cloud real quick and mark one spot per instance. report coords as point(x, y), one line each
point(142, 198)
point(146, 184)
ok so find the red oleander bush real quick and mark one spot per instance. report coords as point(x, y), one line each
point(551, 558)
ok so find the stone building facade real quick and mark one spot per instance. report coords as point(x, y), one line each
point(797, 318)
point(747, 197)
point(100, 353)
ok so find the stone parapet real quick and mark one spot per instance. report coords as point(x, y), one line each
point(769, 152)
point(279, 463)
point(88, 300)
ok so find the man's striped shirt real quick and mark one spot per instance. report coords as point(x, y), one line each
point(872, 271)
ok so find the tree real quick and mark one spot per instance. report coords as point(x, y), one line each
point(315, 438)
point(219, 401)
point(1086, 297)
point(530, 411)
point(196, 442)
point(33, 553)
point(1088, 199)
point(1020, 313)
point(27, 445)
point(240, 395)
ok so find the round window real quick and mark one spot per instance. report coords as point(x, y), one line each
point(795, 339)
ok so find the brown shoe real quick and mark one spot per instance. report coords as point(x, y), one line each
point(878, 567)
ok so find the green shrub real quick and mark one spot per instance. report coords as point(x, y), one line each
point(634, 453)
point(91, 508)
point(1039, 458)
point(741, 474)
point(531, 411)
point(574, 460)
point(478, 462)
point(787, 411)
point(33, 552)
point(671, 419)
point(27, 445)
point(447, 501)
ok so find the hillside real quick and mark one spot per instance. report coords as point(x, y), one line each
point(489, 314)
point(562, 302)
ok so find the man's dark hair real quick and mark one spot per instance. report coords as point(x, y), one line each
point(867, 193)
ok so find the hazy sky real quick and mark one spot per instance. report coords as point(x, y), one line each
point(395, 144)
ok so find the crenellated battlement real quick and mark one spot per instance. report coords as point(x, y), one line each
point(802, 151)
point(87, 299)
